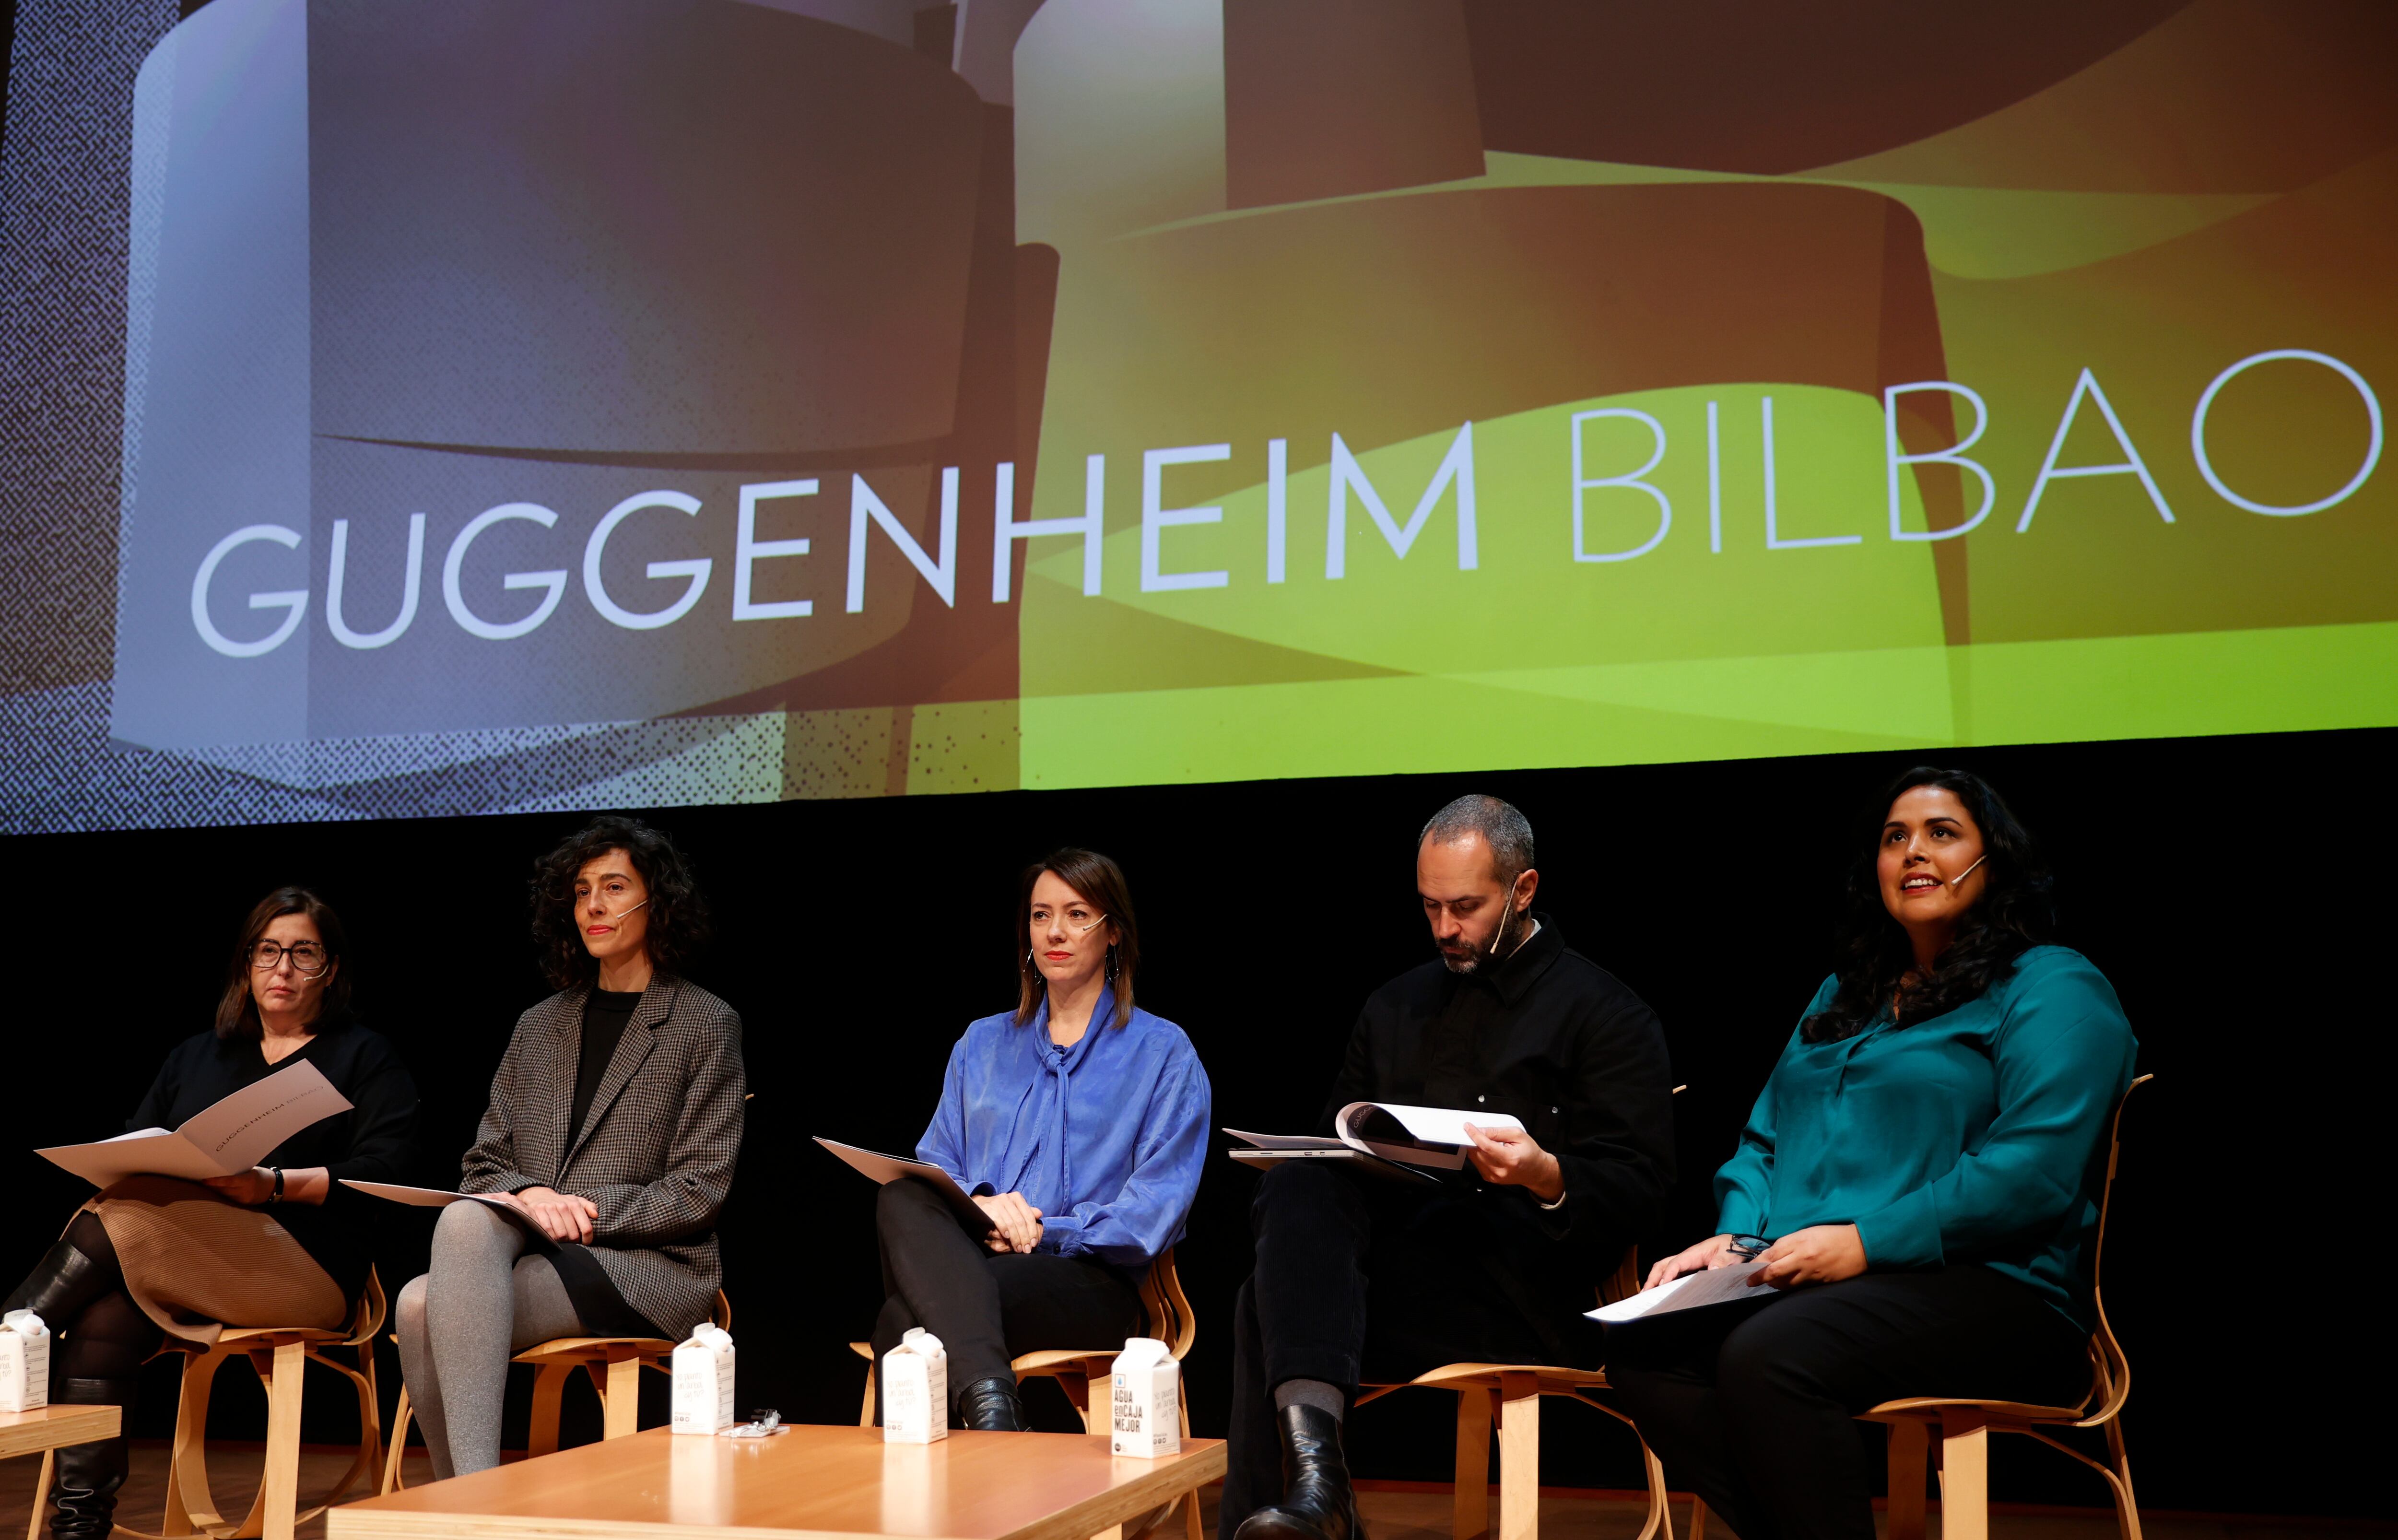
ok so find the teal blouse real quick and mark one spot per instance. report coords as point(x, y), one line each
point(1977, 1136)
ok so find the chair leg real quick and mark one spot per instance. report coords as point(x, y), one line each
point(1964, 1476)
point(865, 1407)
point(1520, 1457)
point(1698, 1519)
point(42, 1494)
point(548, 1388)
point(1660, 1525)
point(1078, 1390)
point(1909, 1456)
point(622, 1415)
point(1471, 1506)
point(281, 1491)
point(2127, 1506)
point(189, 1502)
point(401, 1417)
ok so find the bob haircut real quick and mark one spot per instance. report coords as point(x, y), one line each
point(678, 914)
point(1876, 960)
point(1102, 883)
point(237, 1008)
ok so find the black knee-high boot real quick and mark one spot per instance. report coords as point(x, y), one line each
point(89, 1475)
point(98, 1363)
point(78, 1269)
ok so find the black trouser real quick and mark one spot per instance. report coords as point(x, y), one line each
point(1749, 1405)
point(1359, 1279)
point(100, 1338)
point(986, 1308)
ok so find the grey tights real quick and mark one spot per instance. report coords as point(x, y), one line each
point(483, 1302)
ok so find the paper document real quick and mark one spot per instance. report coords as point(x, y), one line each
point(1417, 1136)
point(886, 1169)
point(233, 1135)
point(436, 1197)
point(1420, 1135)
point(1717, 1286)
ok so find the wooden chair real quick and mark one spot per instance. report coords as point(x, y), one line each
point(613, 1365)
point(1965, 1425)
point(279, 1355)
point(1511, 1394)
point(1171, 1320)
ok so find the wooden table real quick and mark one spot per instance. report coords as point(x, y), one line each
point(50, 1427)
point(823, 1482)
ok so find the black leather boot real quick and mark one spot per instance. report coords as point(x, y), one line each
point(89, 1475)
point(1318, 1503)
point(62, 1284)
point(990, 1406)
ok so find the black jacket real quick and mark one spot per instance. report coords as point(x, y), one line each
point(373, 1142)
point(1560, 1043)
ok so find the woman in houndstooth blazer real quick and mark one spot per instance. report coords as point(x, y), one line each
point(615, 1122)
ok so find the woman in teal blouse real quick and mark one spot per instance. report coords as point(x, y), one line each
point(1920, 1176)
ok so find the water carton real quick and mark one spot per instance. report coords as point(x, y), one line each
point(1144, 1394)
point(703, 1381)
point(916, 1390)
point(24, 1362)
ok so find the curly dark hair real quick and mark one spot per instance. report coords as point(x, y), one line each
point(238, 1007)
point(678, 914)
point(1877, 961)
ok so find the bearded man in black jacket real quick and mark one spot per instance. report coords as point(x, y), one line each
point(1360, 1278)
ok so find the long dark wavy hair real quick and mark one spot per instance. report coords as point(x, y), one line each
point(1100, 882)
point(678, 914)
point(238, 1007)
point(1877, 961)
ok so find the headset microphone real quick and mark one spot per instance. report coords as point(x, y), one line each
point(645, 903)
point(1506, 913)
point(1969, 871)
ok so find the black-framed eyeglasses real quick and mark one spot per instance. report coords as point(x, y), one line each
point(309, 959)
point(1750, 1248)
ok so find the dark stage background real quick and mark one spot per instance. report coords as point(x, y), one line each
point(2231, 888)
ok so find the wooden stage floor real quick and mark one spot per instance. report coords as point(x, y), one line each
point(1392, 1512)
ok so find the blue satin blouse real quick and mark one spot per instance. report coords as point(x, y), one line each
point(1106, 1137)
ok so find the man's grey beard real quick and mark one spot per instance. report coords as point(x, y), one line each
point(1494, 951)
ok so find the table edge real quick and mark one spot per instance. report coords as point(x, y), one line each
point(1079, 1521)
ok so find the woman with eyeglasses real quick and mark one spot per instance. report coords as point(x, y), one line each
point(615, 1122)
point(1920, 1178)
point(282, 1244)
point(1078, 1123)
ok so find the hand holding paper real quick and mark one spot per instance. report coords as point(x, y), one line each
point(1512, 1157)
point(227, 1139)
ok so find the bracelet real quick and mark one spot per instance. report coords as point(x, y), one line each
point(277, 1196)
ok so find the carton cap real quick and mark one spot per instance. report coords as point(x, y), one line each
point(921, 1343)
point(25, 1324)
point(1141, 1353)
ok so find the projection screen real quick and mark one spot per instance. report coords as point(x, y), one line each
point(438, 406)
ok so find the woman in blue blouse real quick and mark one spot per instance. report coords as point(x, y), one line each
point(1078, 1122)
point(1920, 1176)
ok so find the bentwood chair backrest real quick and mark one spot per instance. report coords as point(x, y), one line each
point(2111, 1371)
point(1171, 1320)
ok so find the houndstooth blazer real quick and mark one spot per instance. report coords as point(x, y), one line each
point(656, 1149)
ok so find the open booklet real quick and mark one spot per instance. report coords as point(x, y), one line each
point(1690, 1291)
point(888, 1169)
point(1387, 1138)
point(231, 1136)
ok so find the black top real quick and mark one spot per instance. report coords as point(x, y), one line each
point(605, 1015)
point(373, 1142)
point(1579, 1059)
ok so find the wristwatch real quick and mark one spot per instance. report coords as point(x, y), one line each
point(277, 1196)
